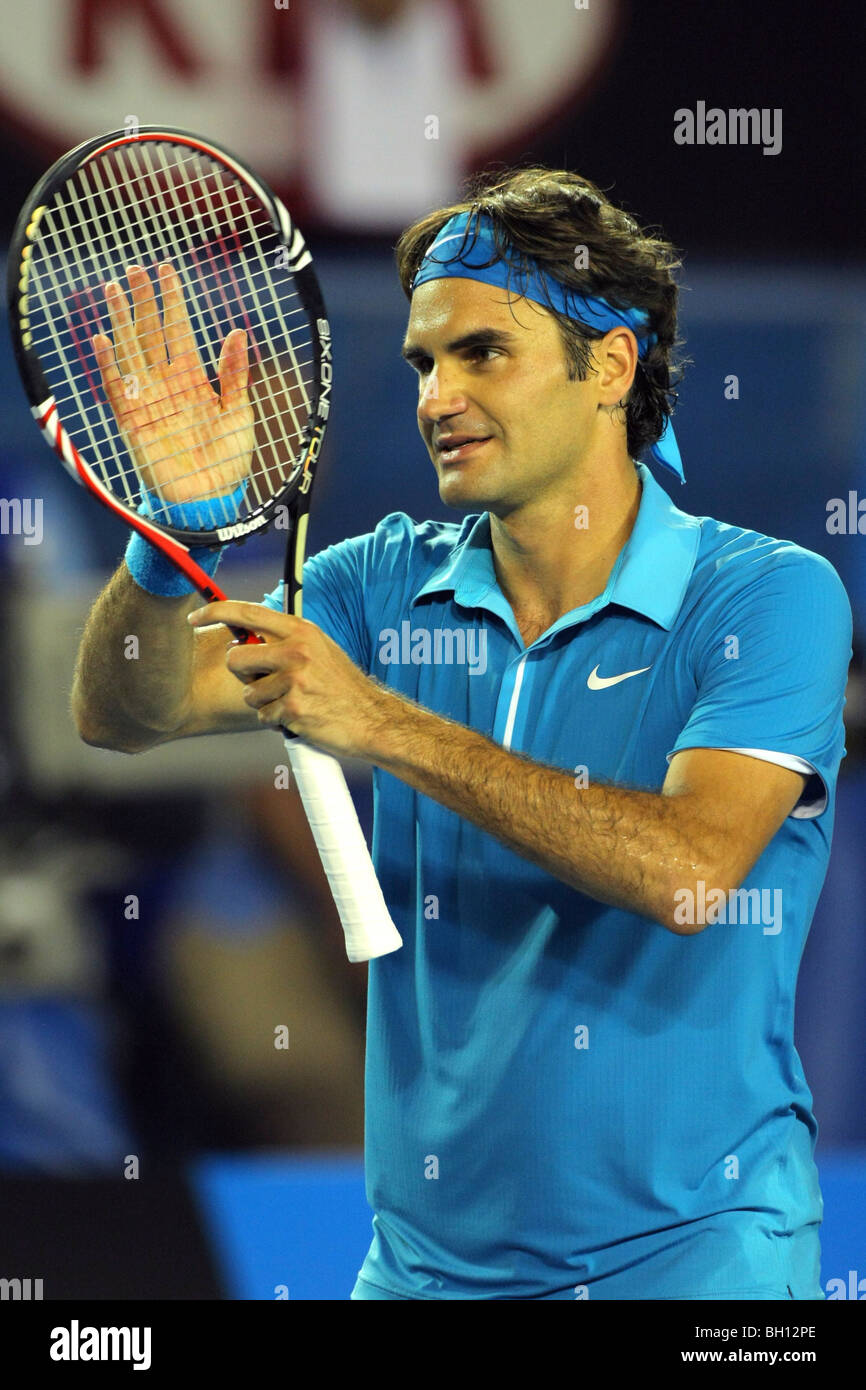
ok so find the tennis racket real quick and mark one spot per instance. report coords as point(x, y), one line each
point(204, 249)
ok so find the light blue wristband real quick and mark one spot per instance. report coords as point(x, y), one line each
point(149, 567)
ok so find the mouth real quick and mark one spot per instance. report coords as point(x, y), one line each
point(457, 452)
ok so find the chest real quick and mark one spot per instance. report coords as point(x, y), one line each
point(610, 695)
point(532, 622)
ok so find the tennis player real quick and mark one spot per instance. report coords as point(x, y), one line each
point(605, 737)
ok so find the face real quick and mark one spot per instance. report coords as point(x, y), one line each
point(492, 368)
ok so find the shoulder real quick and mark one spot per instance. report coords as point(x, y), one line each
point(737, 569)
point(429, 542)
point(369, 571)
point(398, 549)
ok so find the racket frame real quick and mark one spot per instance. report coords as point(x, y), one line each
point(295, 492)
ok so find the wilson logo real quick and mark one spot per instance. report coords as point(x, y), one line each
point(240, 528)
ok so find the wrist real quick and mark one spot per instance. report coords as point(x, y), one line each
point(201, 514)
point(146, 563)
point(393, 724)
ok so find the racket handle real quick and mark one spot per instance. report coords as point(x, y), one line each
point(343, 851)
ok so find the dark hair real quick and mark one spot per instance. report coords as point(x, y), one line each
point(548, 215)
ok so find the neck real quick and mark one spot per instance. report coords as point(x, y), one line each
point(557, 553)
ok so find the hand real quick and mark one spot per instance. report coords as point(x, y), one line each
point(299, 679)
point(186, 441)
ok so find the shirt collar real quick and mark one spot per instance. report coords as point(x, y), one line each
point(651, 574)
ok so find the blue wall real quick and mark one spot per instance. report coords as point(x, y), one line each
point(304, 1226)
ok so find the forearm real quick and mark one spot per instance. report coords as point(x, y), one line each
point(625, 847)
point(134, 667)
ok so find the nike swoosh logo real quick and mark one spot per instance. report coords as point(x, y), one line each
point(597, 682)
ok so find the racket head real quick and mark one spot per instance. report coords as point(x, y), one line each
point(162, 195)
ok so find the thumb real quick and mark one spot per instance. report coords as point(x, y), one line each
point(233, 370)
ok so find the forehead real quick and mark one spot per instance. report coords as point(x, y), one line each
point(446, 307)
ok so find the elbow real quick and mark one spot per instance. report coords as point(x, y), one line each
point(85, 726)
point(113, 742)
point(114, 739)
point(687, 908)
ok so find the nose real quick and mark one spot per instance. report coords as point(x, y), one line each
point(442, 396)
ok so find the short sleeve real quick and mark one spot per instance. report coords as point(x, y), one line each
point(355, 588)
point(333, 596)
point(771, 658)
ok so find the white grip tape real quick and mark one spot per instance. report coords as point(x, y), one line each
point(343, 851)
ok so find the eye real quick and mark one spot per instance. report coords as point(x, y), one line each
point(480, 353)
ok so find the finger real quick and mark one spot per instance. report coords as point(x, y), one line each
point(112, 381)
point(234, 370)
point(148, 325)
point(274, 715)
point(179, 337)
point(252, 617)
point(130, 361)
point(250, 662)
point(245, 677)
point(265, 691)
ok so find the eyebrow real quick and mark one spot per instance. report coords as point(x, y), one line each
point(477, 337)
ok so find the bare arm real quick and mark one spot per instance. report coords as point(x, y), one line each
point(713, 818)
point(143, 676)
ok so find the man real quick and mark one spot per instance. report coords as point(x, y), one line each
point(603, 842)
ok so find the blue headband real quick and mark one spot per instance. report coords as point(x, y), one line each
point(537, 285)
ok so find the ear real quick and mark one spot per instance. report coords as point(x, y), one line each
point(616, 356)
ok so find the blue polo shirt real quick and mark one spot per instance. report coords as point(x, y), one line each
point(564, 1099)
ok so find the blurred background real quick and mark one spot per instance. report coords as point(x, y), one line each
point(161, 916)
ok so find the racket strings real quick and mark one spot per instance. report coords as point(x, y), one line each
point(145, 205)
point(135, 177)
point(154, 181)
point(228, 210)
